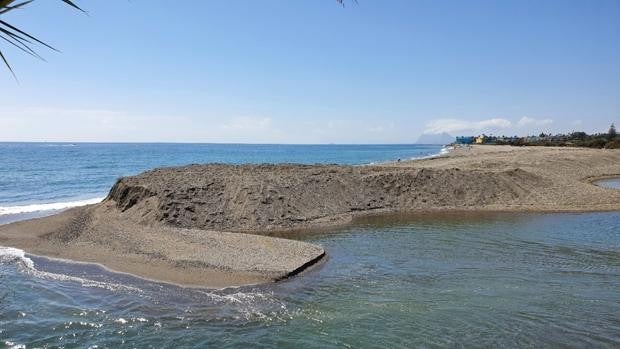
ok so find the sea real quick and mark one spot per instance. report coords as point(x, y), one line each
point(432, 281)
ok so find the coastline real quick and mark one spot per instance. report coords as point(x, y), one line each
point(135, 230)
point(183, 257)
point(22, 210)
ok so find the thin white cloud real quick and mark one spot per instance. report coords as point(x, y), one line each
point(382, 128)
point(247, 123)
point(456, 125)
point(100, 125)
point(527, 122)
point(347, 131)
point(249, 129)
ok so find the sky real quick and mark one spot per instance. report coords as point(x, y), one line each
point(311, 71)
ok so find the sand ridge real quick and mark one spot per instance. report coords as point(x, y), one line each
point(260, 198)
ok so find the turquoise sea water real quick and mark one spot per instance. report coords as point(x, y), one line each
point(465, 280)
point(549, 280)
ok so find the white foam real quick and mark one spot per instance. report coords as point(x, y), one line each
point(12, 345)
point(4, 210)
point(442, 151)
point(17, 256)
point(445, 150)
point(59, 145)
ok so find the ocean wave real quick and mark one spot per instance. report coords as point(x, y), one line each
point(60, 145)
point(11, 255)
point(249, 305)
point(11, 345)
point(445, 150)
point(54, 206)
point(442, 151)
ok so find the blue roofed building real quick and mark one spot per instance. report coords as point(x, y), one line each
point(465, 140)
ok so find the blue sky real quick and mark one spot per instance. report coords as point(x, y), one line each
point(310, 71)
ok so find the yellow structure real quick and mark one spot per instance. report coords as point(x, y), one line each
point(480, 139)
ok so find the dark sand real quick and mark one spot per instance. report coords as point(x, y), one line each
point(169, 224)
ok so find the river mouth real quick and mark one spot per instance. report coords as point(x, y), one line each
point(501, 280)
point(610, 183)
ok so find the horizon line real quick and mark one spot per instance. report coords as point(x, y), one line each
point(206, 143)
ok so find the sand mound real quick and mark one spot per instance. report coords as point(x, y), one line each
point(267, 197)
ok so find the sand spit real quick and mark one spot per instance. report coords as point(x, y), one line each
point(186, 225)
point(189, 257)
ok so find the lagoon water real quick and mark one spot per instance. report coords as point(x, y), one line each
point(612, 183)
point(549, 280)
point(493, 280)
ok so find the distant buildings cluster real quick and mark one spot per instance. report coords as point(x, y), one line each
point(484, 139)
point(574, 139)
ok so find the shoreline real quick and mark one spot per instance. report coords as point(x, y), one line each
point(370, 218)
point(214, 225)
point(41, 213)
point(171, 256)
point(155, 280)
point(43, 209)
point(78, 201)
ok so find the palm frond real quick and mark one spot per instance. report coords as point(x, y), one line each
point(342, 2)
point(70, 3)
point(24, 41)
point(8, 65)
point(19, 38)
point(6, 9)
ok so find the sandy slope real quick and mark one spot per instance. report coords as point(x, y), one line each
point(163, 224)
point(260, 198)
point(568, 174)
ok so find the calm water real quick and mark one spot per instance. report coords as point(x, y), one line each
point(613, 183)
point(549, 280)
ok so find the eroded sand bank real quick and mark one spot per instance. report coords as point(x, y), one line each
point(186, 225)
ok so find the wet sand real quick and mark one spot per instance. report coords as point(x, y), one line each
point(194, 258)
point(189, 225)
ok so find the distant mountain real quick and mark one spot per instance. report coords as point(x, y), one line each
point(438, 138)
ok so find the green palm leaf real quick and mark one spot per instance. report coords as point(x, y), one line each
point(17, 37)
point(24, 41)
point(70, 3)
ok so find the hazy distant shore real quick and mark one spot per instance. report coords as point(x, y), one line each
point(166, 224)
